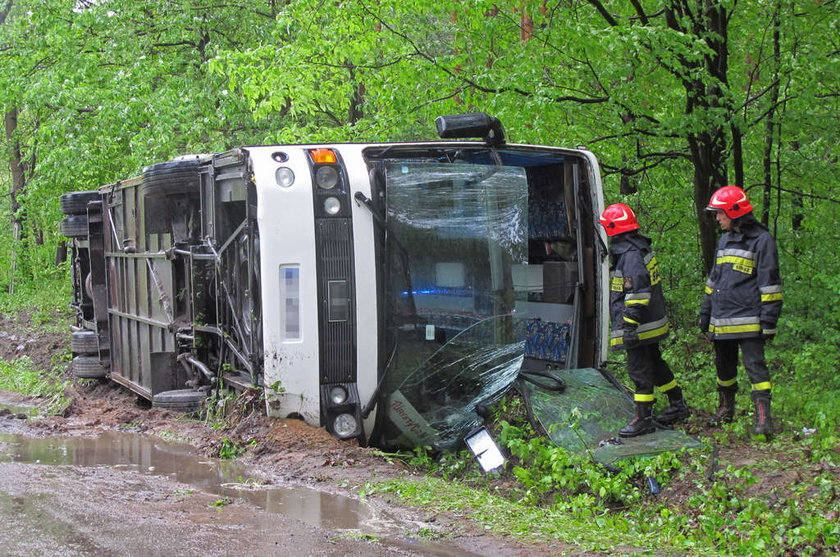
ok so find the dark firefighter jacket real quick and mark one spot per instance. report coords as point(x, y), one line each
point(744, 290)
point(636, 300)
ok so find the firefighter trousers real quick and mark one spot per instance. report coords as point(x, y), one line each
point(752, 353)
point(647, 369)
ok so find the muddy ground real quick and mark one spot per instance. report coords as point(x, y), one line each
point(279, 452)
point(290, 452)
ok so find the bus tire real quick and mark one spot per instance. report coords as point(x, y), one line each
point(75, 203)
point(176, 177)
point(88, 367)
point(74, 226)
point(184, 400)
point(84, 342)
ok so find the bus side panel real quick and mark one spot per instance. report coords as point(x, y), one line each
point(285, 218)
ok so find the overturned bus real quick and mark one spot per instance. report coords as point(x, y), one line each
point(384, 291)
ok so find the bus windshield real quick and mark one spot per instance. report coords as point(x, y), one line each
point(454, 319)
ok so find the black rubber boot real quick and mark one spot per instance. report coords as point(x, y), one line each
point(676, 412)
point(726, 407)
point(763, 425)
point(642, 423)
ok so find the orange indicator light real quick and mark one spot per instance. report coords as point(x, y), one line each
point(323, 156)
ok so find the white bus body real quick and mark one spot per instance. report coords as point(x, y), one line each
point(383, 291)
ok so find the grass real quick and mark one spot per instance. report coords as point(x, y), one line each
point(38, 304)
point(725, 515)
point(21, 376)
point(46, 303)
point(762, 497)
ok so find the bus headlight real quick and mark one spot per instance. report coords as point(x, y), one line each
point(338, 395)
point(326, 177)
point(284, 176)
point(332, 206)
point(345, 425)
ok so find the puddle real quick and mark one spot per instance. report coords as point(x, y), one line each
point(223, 478)
point(10, 410)
point(147, 455)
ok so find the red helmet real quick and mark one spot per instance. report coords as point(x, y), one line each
point(732, 200)
point(618, 218)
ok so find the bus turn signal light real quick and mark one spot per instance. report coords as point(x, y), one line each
point(323, 156)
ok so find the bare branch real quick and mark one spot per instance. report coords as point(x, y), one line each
point(795, 192)
point(439, 99)
point(639, 10)
point(604, 13)
point(470, 82)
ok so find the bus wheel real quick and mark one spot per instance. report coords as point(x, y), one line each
point(173, 177)
point(88, 367)
point(74, 226)
point(75, 203)
point(84, 342)
point(184, 400)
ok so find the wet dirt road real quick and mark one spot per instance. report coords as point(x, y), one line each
point(127, 494)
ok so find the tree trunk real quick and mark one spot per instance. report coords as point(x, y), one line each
point(771, 128)
point(709, 148)
point(16, 169)
point(709, 174)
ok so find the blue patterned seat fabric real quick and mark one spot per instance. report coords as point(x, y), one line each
point(547, 341)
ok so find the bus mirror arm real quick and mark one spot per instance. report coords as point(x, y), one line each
point(362, 199)
point(374, 397)
point(604, 249)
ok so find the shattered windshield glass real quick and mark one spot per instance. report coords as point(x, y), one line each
point(455, 339)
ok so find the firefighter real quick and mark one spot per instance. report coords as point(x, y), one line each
point(741, 305)
point(637, 314)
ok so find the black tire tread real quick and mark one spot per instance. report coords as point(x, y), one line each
point(74, 226)
point(84, 342)
point(187, 400)
point(75, 202)
point(88, 367)
point(176, 177)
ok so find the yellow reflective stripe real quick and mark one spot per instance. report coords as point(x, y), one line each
point(616, 341)
point(763, 386)
point(771, 297)
point(708, 289)
point(718, 330)
point(741, 264)
point(639, 397)
point(639, 302)
point(727, 383)
point(653, 270)
point(653, 332)
point(628, 320)
point(667, 386)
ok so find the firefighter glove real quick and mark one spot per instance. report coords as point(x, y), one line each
point(631, 337)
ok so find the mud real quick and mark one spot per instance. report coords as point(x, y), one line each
point(77, 492)
point(105, 511)
point(313, 479)
point(105, 479)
